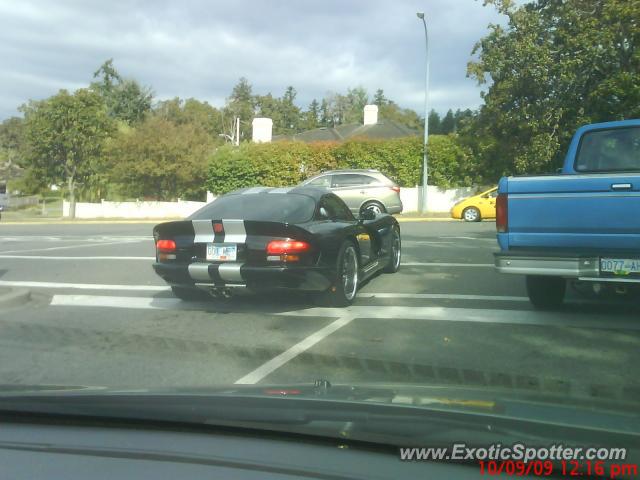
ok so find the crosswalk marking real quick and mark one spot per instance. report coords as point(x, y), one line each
point(83, 286)
point(47, 257)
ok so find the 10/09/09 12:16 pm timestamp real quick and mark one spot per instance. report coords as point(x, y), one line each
point(566, 468)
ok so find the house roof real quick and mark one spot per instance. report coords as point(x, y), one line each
point(382, 130)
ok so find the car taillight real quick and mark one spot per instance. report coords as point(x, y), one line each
point(279, 247)
point(396, 189)
point(502, 213)
point(166, 246)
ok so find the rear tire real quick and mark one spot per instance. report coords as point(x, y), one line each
point(471, 214)
point(189, 294)
point(393, 265)
point(375, 207)
point(546, 293)
point(343, 292)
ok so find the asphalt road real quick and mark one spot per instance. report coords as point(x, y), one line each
point(99, 316)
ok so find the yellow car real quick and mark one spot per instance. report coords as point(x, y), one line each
point(474, 209)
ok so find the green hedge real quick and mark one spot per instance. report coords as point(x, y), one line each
point(288, 163)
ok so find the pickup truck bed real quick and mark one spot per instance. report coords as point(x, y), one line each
point(583, 224)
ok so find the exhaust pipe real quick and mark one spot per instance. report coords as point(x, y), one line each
point(220, 293)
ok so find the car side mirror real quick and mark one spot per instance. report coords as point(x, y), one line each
point(367, 215)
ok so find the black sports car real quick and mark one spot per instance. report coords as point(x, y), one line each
point(302, 238)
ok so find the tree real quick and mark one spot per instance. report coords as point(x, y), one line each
point(405, 116)
point(270, 107)
point(241, 104)
point(311, 117)
point(289, 112)
point(448, 123)
point(65, 135)
point(192, 111)
point(325, 115)
point(379, 99)
point(356, 99)
point(434, 123)
point(126, 99)
point(161, 159)
point(11, 144)
point(557, 65)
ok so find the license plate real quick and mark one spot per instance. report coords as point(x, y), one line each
point(620, 266)
point(225, 253)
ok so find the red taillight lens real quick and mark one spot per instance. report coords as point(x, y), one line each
point(396, 189)
point(502, 213)
point(166, 246)
point(218, 228)
point(278, 247)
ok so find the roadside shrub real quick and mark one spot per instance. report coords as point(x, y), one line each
point(288, 163)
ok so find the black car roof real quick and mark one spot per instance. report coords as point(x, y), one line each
point(310, 191)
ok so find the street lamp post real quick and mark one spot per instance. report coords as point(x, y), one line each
point(425, 171)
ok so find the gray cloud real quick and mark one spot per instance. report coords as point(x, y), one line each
point(200, 48)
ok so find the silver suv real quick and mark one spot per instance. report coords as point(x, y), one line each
point(361, 189)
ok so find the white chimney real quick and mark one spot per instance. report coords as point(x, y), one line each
point(262, 128)
point(370, 114)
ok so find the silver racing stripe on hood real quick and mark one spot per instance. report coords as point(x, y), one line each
point(203, 230)
point(234, 231)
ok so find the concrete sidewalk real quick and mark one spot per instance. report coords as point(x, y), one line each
point(79, 221)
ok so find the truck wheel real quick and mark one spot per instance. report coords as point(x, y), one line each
point(471, 214)
point(546, 293)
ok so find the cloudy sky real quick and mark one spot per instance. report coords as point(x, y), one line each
point(200, 48)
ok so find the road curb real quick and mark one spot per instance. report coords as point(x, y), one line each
point(426, 219)
point(88, 222)
point(15, 296)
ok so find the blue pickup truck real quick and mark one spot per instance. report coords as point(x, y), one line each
point(580, 224)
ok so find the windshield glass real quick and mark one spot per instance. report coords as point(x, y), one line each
point(267, 207)
point(610, 150)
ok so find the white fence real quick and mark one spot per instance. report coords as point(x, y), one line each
point(438, 201)
point(104, 209)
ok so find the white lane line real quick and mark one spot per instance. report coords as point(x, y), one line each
point(443, 296)
point(46, 257)
point(84, 286)
point(446, 314)
point(455, 314)
point(117, 302)
point(73, 238)
point(439, 264)
point(106, 257)
point(289, 354)
point(82, 245)
point(470, 238)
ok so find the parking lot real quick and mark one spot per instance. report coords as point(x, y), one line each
point(98, 315)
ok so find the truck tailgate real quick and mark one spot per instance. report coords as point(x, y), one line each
point(574, 211)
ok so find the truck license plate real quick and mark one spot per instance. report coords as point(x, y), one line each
point(225, 253)
point(620, 266)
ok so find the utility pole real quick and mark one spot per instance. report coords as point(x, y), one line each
point(425, 170)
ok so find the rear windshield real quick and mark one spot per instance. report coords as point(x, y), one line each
point(609, 151)
point(268, 207)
